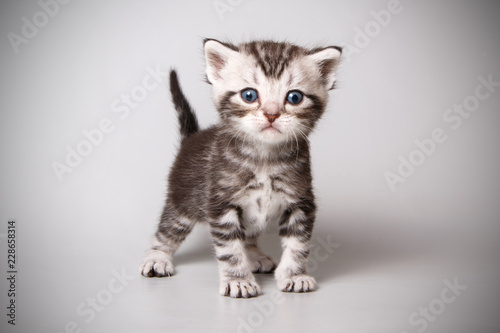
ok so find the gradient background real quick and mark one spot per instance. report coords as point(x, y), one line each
point(395, 247)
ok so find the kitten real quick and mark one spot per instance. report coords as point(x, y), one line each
point(253, 167)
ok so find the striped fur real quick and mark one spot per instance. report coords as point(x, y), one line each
point(249, 169)
point(188, 124)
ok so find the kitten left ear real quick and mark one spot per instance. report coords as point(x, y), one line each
point(327, 59)
point(217, 56)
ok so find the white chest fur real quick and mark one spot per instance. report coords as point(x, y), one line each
point(261, 204)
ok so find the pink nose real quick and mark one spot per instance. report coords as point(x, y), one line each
point(272, 117)
point(271, 111)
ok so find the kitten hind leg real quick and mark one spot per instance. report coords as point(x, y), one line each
point(171, 232)
point(259, 261)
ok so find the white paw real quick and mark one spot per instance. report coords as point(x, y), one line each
point(239, 288)
point(297, 283)
point(157, 264)
point(262, 264)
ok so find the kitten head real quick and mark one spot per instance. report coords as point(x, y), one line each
point(270, 92)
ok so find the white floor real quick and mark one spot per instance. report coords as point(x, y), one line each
point(371, 280)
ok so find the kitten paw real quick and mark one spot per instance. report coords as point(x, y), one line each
point(157, 264)
point(239, 288)
point(262, 264)
point(298, 283)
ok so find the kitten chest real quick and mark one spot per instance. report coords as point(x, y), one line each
point(261, 203)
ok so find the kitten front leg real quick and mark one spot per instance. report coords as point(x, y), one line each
point(236, 278)
point(295, 229)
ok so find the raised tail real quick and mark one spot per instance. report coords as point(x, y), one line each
point(187, 119)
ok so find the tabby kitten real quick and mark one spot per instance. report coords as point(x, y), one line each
point(253, 167)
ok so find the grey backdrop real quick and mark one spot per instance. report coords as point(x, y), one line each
point(420, 255)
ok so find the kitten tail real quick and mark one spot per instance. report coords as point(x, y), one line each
point(187, 118)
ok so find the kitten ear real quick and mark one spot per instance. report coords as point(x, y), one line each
point(217, 56)
point(327, 59)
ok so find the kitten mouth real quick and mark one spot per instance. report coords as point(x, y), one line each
point(270, 128)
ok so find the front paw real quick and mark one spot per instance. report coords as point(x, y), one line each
point(298, 283)
point(239, 288)
point(157, 264)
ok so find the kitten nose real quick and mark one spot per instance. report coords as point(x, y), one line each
point(272, 117)
point(272, 112)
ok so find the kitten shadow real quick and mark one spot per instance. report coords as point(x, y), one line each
point(351, 248)
point(382, 249)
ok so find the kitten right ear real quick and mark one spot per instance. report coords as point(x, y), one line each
point(217, 56)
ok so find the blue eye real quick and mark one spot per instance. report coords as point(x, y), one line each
point(249, 95)
point(294, 97)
